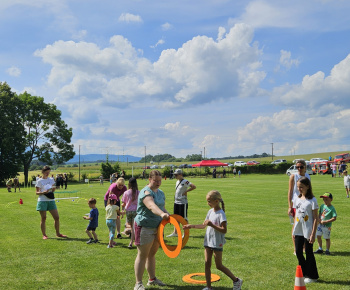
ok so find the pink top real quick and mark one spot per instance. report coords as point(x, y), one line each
point(130, 205)
point(113, 188)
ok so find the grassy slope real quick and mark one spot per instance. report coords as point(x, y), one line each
point(258, 245)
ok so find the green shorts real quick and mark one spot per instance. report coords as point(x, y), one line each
point(46, 205)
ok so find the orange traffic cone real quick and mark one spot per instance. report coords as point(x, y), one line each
point(299, 279)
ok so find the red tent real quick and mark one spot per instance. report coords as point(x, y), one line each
point(208, 163)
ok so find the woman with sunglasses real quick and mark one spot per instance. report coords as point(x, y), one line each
point(293, 191)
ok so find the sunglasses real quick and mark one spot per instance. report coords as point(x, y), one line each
point(299, 167)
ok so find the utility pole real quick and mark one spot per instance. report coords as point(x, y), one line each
point(79, 163)
point(272, 150)
point(204, 154)
point(201, 155)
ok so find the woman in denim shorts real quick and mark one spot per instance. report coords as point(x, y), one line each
point(45, 188)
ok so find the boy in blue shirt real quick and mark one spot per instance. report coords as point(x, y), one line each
point(327, 215)
point(93, 224)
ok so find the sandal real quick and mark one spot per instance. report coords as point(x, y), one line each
point(61, 236)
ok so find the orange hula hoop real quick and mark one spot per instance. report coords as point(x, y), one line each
point(170, 253)
point(188, 278)
point(183, 222)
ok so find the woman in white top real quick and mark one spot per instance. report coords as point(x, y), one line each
point(45, 188)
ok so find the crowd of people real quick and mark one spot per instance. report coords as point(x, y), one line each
point(145, 209)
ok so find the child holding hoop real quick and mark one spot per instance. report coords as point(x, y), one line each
point(214, 239)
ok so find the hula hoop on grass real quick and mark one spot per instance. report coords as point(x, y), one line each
point(182, 221)
point(188, 278)
point(170, 253)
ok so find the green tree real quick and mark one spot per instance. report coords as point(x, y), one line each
point(11, 133)
point(47, 135)
point(107, 169)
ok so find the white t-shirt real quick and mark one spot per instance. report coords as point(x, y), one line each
point(303, 217)
point(296, 190)
point(347, 180)
point(180, 187)
point(214, 238)
point(44, 184)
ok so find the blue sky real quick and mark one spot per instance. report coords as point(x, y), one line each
point(180, 76)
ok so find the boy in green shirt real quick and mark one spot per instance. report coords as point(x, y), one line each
point(327, 215)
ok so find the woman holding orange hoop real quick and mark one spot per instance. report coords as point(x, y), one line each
point(149, 214)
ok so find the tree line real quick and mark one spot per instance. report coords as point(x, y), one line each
point(30, 129)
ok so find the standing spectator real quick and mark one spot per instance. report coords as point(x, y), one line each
point(182, 187)
point(239, 173)
point(58, 180)
point(65, 180)
point(234, 172)
point(16, 184)
point(101, 179)
point(117, 188)
point(46, 202)
point(330, 158)
point(346, 183)
point(62, 180)
point(334, 169)
point(305, 227)
point(150, 212)
point(293, 191)
point(214, 173)
point(343, 167)
point(129, 203)
point(327, 215)
point(171, 173)
point(224, 173)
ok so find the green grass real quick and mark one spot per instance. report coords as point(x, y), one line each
point(258, 248)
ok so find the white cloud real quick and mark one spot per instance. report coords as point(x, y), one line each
point(159, 42)
point(128, 17)
point(287, 61)
point(166, 26)
point(14, 71)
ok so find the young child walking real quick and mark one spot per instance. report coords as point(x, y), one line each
point(346, 182)
point(93, 224)
point(305, 226)
point(112, 212)
point(327, 215)
point(214, 240)
point(129, 203)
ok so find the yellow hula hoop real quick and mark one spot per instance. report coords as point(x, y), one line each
point(170, 253)
point(188, 278)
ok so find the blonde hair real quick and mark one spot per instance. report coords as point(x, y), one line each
point(215, 195)
point(121, 181)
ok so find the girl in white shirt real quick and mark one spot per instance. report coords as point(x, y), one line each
point(305, 227)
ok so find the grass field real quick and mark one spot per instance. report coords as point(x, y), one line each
point(258, 248)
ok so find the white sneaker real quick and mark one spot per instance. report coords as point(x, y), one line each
point(139, 286)
point(238, 284)
point(172, 235)
point(207, 288)
point(309, 280)
point(155, 282)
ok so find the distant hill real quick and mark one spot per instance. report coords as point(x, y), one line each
point(102, 158)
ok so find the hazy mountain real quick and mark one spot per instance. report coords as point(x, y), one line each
point(102, 157)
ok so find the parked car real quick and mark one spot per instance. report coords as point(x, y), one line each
point(240, 163)
point(344, 157)
point(277, 161)
point(189, 165)
point(293, 169)
point(146, 167)
point(183, 166)
point(154, 167)
point(253, 162)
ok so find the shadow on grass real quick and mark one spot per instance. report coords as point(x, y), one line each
point(191, 286)
point(334, 282)
point(345, 254)
point(202, 237)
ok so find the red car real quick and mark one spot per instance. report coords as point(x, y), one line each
point(253, 162)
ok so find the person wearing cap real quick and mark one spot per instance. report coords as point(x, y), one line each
point(327, 215)
point(112, 212)
point(293, 191)
point(182, 187)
